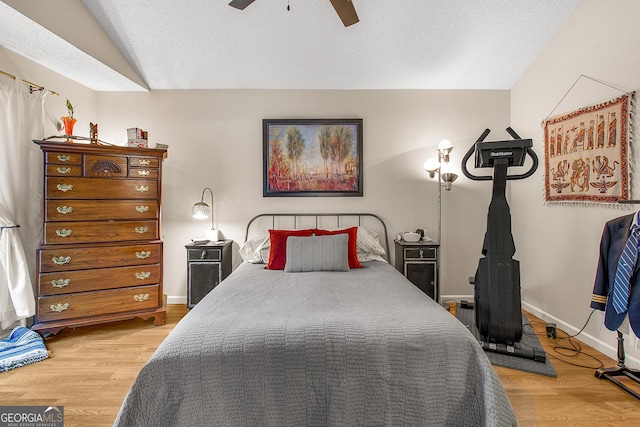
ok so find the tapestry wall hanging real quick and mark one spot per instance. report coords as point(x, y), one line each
point(586, 154)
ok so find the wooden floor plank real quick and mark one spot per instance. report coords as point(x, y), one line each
point(92, 368)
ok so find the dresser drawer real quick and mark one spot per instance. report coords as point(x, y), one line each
point(63, 158)
point(105, 166)
point(90, 210)
point(91, 257)
point(64, 170)
point(101, 188)
point(213, 254)
point(99, 231)
point(143, 173)
point(83, 304)
point(145, 162)
point(420, 253)
point(65, 282)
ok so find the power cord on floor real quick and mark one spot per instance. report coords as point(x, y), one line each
point(571, 349)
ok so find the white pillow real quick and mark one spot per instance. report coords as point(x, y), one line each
point(256, 251)
point(368, 247)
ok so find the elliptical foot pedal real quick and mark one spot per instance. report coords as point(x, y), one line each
point(515, 350)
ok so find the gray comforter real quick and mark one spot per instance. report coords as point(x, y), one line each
point(357, 348)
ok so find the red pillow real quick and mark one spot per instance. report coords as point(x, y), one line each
point(278, 250)
point(353, 240)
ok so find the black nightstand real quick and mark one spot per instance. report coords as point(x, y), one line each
point(207, 265)
point(418, 261)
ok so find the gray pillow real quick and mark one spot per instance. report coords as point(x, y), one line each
point(317, 253)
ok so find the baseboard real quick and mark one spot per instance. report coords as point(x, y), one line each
point(586, 338)
point(176, 299)
point(456, 298)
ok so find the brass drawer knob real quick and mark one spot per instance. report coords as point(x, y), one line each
point(142, 229)
point(61, 260)
point(144, 173)
point(64, 232)
point(143, 275)
point(143, 254)
point(64, 157)
point(60, 283)
point(144, 162)
point(59, 307)
point(142, 188)
point(63, 170)
point(142, 208)
point(141, 297)
point(64, 187)
point(64, 209)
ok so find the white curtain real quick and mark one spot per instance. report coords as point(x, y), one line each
point(21, 121)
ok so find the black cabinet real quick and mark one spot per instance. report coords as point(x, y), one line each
point(207, 265)
point(418, 261)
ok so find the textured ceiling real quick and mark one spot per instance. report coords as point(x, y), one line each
point(402, 44)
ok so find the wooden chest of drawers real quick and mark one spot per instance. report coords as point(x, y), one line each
point(100, 259)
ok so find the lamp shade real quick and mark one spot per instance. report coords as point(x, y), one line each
point(201, 210)
point(444, 148)
point(431, 165)
point(448, 178)
point(445, 144)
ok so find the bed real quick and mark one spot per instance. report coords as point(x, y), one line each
point(353, 347)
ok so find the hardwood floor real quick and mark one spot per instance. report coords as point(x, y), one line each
point(91, 369)
point(576, 397)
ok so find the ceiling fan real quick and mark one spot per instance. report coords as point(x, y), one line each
point(345, 9)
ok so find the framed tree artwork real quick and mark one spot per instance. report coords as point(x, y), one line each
point(312, 157)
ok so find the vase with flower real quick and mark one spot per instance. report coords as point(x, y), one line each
point(69, 121)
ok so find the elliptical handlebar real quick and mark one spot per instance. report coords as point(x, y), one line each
point(465, 171)
point(529, 152)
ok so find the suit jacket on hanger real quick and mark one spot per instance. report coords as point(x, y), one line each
point(614, 237)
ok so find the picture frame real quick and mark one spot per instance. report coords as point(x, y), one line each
point(312, 157)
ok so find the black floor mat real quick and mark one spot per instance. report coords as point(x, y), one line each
point(529, 340)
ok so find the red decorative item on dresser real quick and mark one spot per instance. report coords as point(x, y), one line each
point(100, 259)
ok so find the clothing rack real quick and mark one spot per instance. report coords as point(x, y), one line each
point(621, 369)
point(32, 86)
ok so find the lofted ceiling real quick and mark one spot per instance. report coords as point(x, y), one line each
point(129, 45)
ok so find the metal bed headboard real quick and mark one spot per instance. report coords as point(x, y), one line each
point(338, 217)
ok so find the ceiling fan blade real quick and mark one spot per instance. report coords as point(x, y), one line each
point(346, 11)
point(240, 4)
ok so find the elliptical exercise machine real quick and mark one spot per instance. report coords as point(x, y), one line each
point(497, 300)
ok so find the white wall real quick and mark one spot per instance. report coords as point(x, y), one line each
point(558, 245)
point(215, 139)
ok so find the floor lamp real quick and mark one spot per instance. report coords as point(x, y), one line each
point(433, 166)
